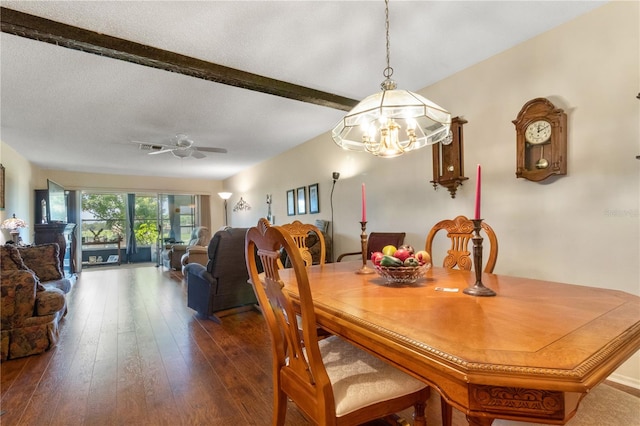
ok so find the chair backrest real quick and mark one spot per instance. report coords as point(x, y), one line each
point(377, 240)
point(297, 361)
point(200, 236)
point(299, 232)
point(460, 232)
point(223, 252)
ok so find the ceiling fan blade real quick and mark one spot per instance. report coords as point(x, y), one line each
point(197, 154)
point(206, 149)
point(162, 151)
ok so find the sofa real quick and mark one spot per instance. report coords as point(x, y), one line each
point(32, 298)
point(172, 253)
point(222, 284)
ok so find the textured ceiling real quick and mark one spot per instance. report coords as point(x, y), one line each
point(71, 110)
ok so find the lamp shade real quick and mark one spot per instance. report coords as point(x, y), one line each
point(13, 223)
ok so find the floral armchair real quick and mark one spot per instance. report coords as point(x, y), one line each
point(30, 311)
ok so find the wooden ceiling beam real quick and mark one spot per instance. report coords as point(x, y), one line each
point(45, 30)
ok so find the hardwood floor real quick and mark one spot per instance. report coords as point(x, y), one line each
point(132, 353)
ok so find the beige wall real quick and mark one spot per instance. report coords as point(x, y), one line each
point(22, 178)
point(582, 228)
point(18, 191)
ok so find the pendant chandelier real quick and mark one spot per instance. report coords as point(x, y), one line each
point(392, 122)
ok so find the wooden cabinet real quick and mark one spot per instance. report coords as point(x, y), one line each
point(64, 235)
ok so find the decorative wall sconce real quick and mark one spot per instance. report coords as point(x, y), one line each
point(448, 159)
point(241, 206)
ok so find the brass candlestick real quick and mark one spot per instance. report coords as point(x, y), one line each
point(363, 242)
point(478, 289)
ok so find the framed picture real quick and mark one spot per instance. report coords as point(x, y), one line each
point(113, 258)
point(291, 203)
point(302, 200)
point(314, 203)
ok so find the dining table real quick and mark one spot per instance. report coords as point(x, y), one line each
point(529, 353)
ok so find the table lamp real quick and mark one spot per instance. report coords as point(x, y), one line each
point(13, 224)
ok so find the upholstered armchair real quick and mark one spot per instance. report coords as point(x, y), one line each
point(172, 254)
point(194, 254)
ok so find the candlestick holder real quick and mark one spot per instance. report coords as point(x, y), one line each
point(363, 243)
point(478, 289)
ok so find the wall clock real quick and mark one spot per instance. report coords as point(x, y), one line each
point(541, 140)
point(448, 159)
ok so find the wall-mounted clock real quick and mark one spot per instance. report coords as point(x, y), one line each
point(448, 159)
point(541, 140)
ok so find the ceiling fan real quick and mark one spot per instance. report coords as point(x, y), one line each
point(181, 146)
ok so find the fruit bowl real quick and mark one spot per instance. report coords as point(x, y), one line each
point(402, 274)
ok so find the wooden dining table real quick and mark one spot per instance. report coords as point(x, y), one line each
point(531, 353)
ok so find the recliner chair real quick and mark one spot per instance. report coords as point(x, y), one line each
point(221, 287)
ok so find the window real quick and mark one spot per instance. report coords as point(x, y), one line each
point(178, 217)
point(103, 217)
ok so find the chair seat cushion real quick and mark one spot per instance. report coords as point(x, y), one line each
point(360, 379)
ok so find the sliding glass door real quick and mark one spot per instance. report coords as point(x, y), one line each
point(132, 227)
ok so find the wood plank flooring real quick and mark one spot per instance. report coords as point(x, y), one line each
point(132, 353)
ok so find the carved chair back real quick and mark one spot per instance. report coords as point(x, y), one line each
point(460, 232)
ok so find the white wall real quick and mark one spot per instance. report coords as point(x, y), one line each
point(582, 228)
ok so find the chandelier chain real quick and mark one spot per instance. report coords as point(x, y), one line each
point(388, 72)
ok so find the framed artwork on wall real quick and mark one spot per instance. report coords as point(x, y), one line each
point(291, 203)
point(302, 200)
point(314, 203)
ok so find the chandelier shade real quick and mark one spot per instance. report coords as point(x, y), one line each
point(392, 122)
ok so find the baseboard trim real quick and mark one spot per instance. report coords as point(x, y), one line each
point(631, 390)
point(625, 380)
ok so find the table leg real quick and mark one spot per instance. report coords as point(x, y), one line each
point(479, 421)
point(447, 412)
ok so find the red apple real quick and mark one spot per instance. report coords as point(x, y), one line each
point(375, 257)
point(402, 254)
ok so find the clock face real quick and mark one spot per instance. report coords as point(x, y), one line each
point(538, 132)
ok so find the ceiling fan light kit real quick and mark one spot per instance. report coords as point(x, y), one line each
point(392, 122)
point(182, 147)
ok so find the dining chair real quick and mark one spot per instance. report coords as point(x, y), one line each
point(376, 241)
point(299, 232)
point(331, 381)
point(460, 232)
